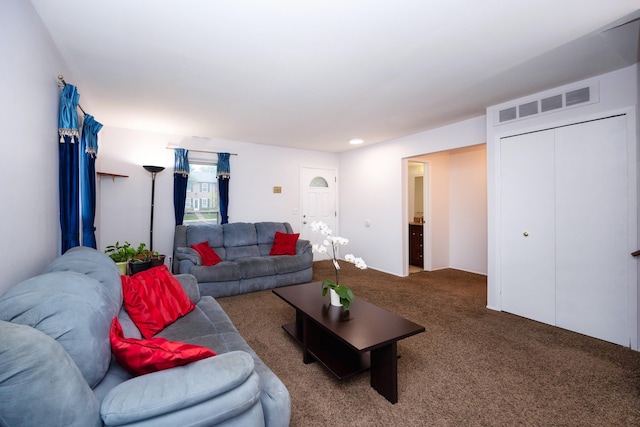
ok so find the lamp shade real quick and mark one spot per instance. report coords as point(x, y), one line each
point(153, 169)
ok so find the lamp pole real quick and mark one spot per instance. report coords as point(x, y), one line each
point(154, 170)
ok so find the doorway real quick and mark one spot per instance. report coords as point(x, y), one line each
point(454, 208)
point(318, 199)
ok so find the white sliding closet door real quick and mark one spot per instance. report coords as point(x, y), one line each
point(592, 229)
point(528, 226)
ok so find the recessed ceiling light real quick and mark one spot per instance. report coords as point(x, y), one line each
point(356, 141)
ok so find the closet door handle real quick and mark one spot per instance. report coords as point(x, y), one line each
point(636, 253)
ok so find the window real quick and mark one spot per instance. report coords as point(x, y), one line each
point(202, 194)
point(319, 181)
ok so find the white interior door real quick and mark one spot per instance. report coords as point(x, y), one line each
point(592, 229)
point(318, 196)
point(527, 232)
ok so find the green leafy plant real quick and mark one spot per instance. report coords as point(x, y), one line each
point(345, 294)
point(142, 253)
point(120, 253)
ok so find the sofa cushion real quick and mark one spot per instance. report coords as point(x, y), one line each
point(255, 267)
point(222, 272)
point(141, 357)
point(237, 252)
point(266, 233)
point(284, 244)
point(128, 327)
point(239, 234)
point(209, 256)
point(40, 385)
point(154, 299)
point(211, 233)
point(288, 264)
point(71, 308)
point(97, 265)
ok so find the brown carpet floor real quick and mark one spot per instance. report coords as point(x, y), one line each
point(472, 367)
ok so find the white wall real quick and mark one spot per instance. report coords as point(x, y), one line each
point(437, 217)
point(373, 187)
point(617, 93)
point(29, 165)
point(124, 204)
point(468, 210)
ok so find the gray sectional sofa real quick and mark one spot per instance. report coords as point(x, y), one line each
point(244, 249)
point(57, 369)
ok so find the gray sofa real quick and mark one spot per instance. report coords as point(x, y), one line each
point(244, 249)
point(57, 369)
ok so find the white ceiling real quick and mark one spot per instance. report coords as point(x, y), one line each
point(315, 73)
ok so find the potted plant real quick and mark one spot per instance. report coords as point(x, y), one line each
point(157, 259)
point(120, 254)
point(141, 259)
point(340, 294)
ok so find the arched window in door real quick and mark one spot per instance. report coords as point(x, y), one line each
point(319, 181)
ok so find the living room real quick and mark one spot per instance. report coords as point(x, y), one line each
point(372, 179)
point(371, 187)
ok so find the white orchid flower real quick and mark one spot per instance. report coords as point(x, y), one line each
point(342, 240)
point(333, 241)
point(359, 262)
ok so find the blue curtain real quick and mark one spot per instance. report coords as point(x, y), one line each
point(68, 167)
point(224, 175)
point(180, 179)
point(89, 151)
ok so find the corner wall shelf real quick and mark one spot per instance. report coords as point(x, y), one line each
point(112, 175)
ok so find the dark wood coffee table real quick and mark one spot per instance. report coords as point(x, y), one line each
point(347, 342)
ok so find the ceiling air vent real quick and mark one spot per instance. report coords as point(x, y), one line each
point(550, 104)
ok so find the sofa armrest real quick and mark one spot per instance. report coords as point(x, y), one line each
point(188, 254)
point(189, 388)
point(303, 246)
point(190, 285)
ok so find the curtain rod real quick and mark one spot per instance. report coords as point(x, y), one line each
point(61, 84)
point(201, 151)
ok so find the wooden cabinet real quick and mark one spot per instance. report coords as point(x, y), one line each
point(416, 253)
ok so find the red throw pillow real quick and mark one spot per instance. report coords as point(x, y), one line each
point(208, 255)
point(154, 299)
point(141, 357)
point(284, 244)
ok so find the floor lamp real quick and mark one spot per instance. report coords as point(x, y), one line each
point(154, 170)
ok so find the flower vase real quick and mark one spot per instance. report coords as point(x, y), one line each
point(335, 298)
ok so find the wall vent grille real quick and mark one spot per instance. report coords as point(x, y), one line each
point(550, 103)
point(576, 97)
